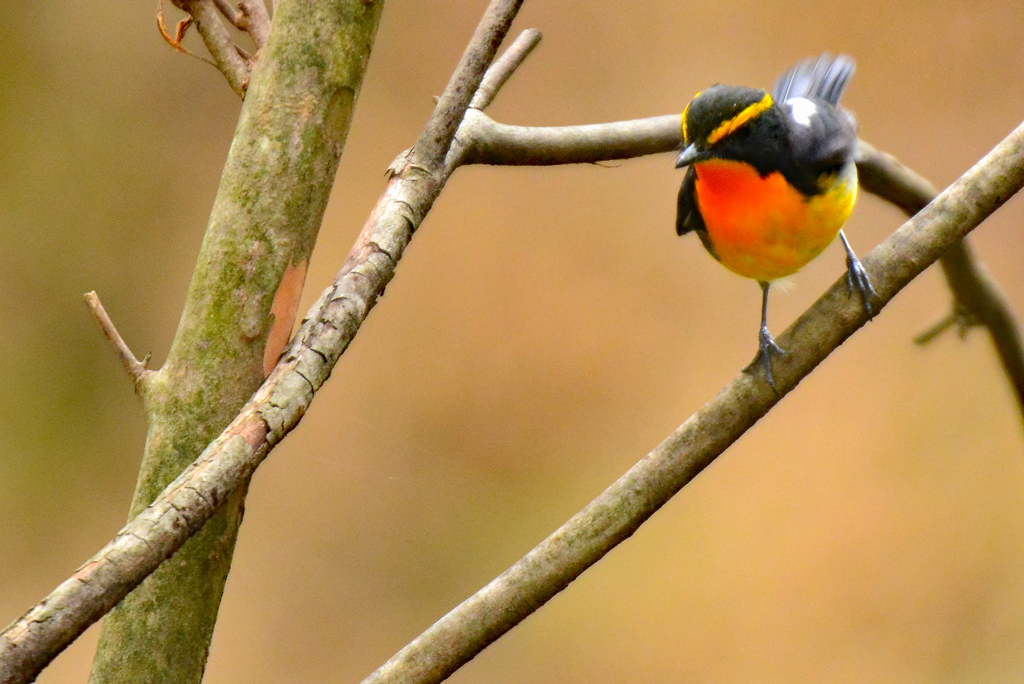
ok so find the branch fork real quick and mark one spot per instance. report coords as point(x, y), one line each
point(248, 16)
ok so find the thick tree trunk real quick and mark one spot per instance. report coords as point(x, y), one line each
point(239, 314)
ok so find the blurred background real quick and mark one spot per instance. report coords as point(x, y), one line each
point(545, 330)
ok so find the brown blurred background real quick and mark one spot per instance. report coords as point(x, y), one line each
point(545, 330)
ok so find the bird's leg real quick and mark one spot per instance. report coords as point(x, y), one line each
point(766, 343)
point(857, 277)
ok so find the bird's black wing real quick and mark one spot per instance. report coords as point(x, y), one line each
point(821, 136)
point(825, 142)
point(688, 216)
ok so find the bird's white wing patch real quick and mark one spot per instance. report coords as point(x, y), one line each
point(802, 110)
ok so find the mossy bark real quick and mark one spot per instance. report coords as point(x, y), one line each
point(276, 183)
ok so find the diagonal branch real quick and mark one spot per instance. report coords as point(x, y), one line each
point(504, 67)
point(31, 642)
point(433, 143)
point(617, 513)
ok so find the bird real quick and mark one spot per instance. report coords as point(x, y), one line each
point(771, 179)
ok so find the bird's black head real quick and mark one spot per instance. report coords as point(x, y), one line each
point(716, 114)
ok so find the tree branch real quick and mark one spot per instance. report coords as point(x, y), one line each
point(225, 466)
point(618, 512)
point(135, 368)
point(504, 67)
point(250, 16)
point(433, 143)
point(977, 299)
point(489, 142)
point(254, 20)
point(218, 41)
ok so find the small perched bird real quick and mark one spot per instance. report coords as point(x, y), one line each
point(772, 179)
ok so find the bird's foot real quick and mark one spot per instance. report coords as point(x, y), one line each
point(766, 348)
point(857, 279)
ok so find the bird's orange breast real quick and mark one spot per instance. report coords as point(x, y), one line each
point(761, 227)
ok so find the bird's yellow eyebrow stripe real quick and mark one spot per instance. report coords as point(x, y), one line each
point(731, 125)
point(686, 111)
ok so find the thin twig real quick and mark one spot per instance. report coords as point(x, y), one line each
point(618, 512)
point(250, 16)
point(954, 318)
point(135, 368)
point(228, 10)
point(254, 20)
point(31, 642)
point(218, 41)
point(504, 67)
point(436, 139)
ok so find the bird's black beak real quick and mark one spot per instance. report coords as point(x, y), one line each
point(690, 155)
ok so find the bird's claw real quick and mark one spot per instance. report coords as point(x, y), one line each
point(767, 347)
point(857, 279)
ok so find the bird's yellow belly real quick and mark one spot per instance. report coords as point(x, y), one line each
point(762, 227)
